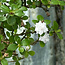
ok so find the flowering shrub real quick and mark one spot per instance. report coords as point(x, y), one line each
point(12, 16)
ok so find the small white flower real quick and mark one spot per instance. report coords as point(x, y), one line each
point(20, 30)
point(7, 4)
point(27, 47)
point(7, 0)
point(44, 38)
point(40, 28)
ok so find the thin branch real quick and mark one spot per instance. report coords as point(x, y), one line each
point(24, 2)
point(34, 42)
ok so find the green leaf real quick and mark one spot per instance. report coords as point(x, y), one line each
point(23, 8)
point(32, 53)
point(29, 2)
point(17, 63)
point(2, 46)
point(24, 17)
point(59, 36)
point(33, 6)
point(37, 3)
point(2, 18)
point(5, 24)
point(59, 30)
point(4, 62)
point(11, 20)
point(55, 25)
point(47, 22)
point(0, 54)
point(5, 8)
point(34, 21)
point(39, 17)
point(26, 42)
point(54, 2)
point(31, 40)
point(14, 58)
point(51, 33)
point(27, 25)
point(16, 38)
point(11, 39)
point(14, 6)
point(1, 37)
point(26, 54)
point(19, 13)
point(45, 2)
point(21, 49)
point(62, 3)
point(32, 28)
point(8, 34)
point(42, 44)
point(12, 47)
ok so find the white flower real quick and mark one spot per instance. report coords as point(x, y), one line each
point(20, 30)
point(27, 47)
point(7, 0)
point(44, 38)
point(40, 28)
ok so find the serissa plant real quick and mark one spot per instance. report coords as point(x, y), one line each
point(12, 16)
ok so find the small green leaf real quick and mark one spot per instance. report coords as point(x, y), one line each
point(34, 21)
point(42, 44)
point(28, 41)
point(8, 34)
point(29, 2)
point(54, 2)
point(47, 22)
point(17, 63)
point(21, 49)
point(32, 53)
point(25, 42)
point(16, 38)
point(2, 46)
point(32, 28)
point(0, 54)
point(58, 30)
point(27, 25)
point(11, 20)
point(39, 17)
point(51, 33)
point(2, 18)
point(1, 37)
point(31, 40)
point(19, 13)
point(11, 39)
point(59, 36)
point(14, 58)
point(26, 54)
point(12, 47)
point(4, 62)
point(24, 17)
point(55, 25)
point(45, 2)
point(5, 8)
point(62, 3)
point(23, 8)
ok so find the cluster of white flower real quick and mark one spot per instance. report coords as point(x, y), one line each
point(41, 28)
point(44, 38)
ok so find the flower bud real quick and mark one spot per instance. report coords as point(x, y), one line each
point(27, 48)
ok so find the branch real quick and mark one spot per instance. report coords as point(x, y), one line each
point(34, 42)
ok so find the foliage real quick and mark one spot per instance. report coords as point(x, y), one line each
point(11, 17)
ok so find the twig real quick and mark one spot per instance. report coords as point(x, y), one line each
point(34, 42)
